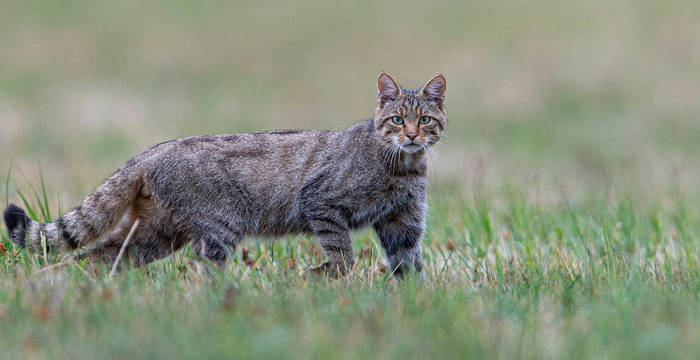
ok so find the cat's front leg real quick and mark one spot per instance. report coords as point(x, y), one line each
point(334, 237)
point(400, 236)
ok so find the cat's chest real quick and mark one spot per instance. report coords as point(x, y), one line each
point(385, 198)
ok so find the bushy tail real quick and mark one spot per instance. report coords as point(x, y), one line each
point(98, 213)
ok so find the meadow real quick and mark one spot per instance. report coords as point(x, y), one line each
point(563, 216)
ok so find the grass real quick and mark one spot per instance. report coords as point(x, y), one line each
point(571, 281)
point(563, 223)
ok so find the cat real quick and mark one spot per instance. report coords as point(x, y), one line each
point(214, 190)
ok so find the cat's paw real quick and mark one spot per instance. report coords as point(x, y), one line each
point(403, 272)
point(316, 270)
point(329, 269)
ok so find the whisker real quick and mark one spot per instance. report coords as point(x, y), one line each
point(432, 160)
point(427, 158)
point(396, 158)
point(387, 150)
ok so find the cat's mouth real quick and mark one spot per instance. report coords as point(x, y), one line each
point(411, 148)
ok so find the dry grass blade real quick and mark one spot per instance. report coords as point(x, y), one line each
point(123, 248)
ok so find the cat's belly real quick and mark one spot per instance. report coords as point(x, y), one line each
point(278, 219)
point(286, 219)
point(369, 215)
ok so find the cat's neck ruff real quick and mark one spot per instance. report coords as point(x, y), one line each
point(398, 162)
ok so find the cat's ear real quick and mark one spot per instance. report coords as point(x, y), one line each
point(435, 88)
point(388, 89)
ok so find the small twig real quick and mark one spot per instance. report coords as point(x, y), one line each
point(444, 266)
point(51, 267)
point(84, 272)
point(67, 260)
point(124, 245)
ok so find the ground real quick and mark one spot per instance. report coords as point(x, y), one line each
point(564, 218)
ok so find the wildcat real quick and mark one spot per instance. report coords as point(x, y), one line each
point(214, 190)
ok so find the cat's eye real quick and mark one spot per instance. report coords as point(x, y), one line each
point(397, 120)
point(424, 120)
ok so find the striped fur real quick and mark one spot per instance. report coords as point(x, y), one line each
point(215, 190)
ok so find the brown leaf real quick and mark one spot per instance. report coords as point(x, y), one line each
point(42, 312)
point(229, 298)
point(106, 294)
point(244, 253)
point(506, 234)
point(30, 343)
point(257, 310)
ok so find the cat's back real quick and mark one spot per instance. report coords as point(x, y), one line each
point(270, 162)
point(254, 151)
point(287, 153)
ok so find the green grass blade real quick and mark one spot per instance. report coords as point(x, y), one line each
point(7, 185)
point(27, 206)
point(42, 210)
point(47, 217)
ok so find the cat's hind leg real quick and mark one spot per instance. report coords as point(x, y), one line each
point(149, 242)
point(216, 239)
point(154, 237)
point(107, 250)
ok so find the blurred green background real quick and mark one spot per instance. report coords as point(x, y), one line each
point(559, 99)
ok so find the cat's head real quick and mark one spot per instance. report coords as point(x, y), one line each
point(410, 119)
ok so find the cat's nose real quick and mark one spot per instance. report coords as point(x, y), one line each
point(412, 135)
